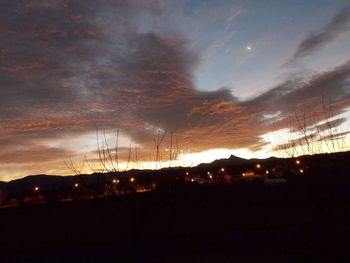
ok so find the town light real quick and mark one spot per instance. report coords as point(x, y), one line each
point(192, 180)
point(243, 174)
point(208, 173)
point(222, 170)
point(76, 185)
point(115, 181)
point(132, 179)
point(36, 189)
point(297, 162)
point(301, 171)
point(210, 176)
point(267, 172)
point(258, 166)
point(187, 173)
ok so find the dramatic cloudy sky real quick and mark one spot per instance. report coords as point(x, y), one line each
point(220, 76)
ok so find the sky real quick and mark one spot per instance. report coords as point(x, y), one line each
point(199, 79)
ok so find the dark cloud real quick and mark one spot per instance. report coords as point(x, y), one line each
point(330, 124)
point(333, 84)
point(313, 143)
point(33, 155)
point(337, 26)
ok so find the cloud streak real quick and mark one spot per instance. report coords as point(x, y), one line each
point(339, 25)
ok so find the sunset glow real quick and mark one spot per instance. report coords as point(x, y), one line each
point(103, 85)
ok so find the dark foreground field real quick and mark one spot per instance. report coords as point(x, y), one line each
point(301, 221)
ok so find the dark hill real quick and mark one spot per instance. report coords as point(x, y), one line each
point(231, 161)
point(52, 182)
point(233, 164)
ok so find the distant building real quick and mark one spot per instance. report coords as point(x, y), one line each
point(197, 179)
point(228, 178)
point(276, 176)
point(249, 173)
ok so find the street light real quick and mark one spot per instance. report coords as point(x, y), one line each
point(258, 166)
point(76, 185)
point(297, 162)
point(132, 179)
point(36, 188)
point(222, 170)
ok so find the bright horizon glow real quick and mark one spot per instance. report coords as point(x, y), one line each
point(189, 159)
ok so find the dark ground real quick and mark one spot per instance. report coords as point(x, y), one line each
point(302, 221)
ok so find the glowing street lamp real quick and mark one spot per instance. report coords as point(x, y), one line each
point(192, 180)
point(187, 173)
point(210, 176)
point(301, 171)
point(132, 179)
point(258, 166)
point(76, 185)
point(115, 181)
point(36, 188)
point(267, 172)
point(222, 170)
point(297, 162)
